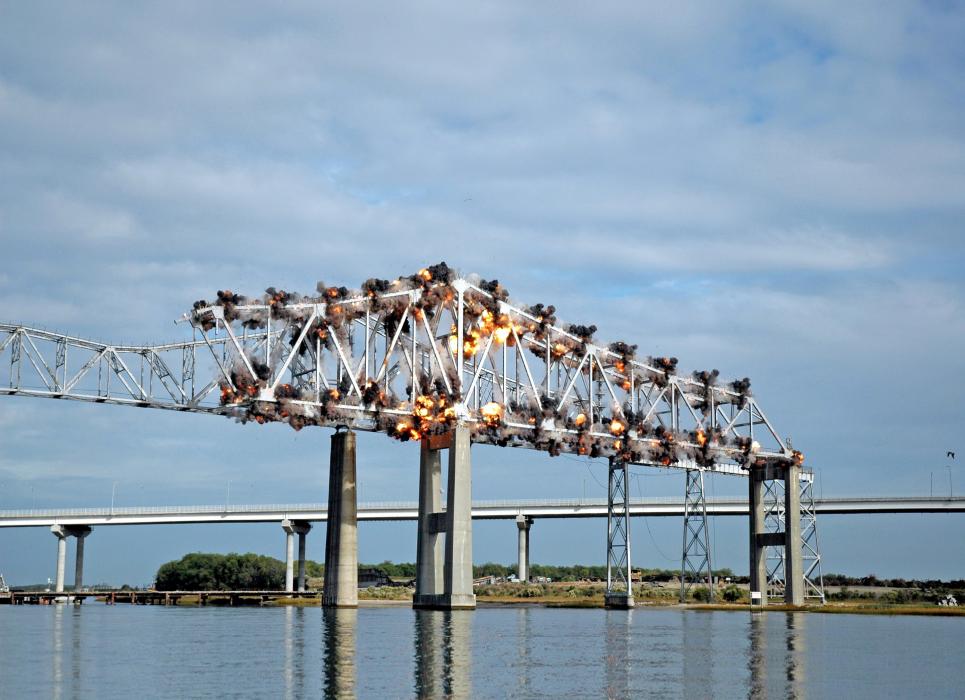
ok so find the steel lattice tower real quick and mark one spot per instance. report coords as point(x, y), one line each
point(774, 522)
point(810, 551)
point(619, 575)
point(695, 564)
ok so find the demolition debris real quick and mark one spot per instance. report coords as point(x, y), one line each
point(413, 356)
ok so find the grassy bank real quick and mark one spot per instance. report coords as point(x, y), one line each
point(591, 595)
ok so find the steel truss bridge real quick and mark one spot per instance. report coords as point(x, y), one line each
point(434, 356)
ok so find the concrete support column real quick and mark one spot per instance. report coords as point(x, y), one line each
point(430, 552)
point(80, 534)
point(793, 565)
point(302, 529)
point(60, 532)
point(524, 523)
point(758, 559)
point(289, 529)
point(458, 569)
point(341, 537)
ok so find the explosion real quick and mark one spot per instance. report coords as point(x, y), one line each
point(492, 414)
point(406, 308)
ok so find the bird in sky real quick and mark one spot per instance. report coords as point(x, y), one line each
point(950, 454)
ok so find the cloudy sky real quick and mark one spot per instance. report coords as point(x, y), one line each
point(774, 191)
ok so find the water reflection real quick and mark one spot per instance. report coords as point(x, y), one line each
point(294, 645)
point(339, 654)
point(698, 653)
point(442, 653)
point(617, 649)
point(67, 630)
point(523, 643)
point(428, 653)
point(57, 657)
point(788, 649)
point(795, 648)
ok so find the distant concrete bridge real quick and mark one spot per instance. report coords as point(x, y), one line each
point(481, 510)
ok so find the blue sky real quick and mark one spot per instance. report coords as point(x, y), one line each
point(774, 191)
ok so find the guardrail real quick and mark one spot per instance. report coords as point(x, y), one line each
point(294, 508)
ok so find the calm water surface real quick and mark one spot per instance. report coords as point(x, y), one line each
point(99, 651)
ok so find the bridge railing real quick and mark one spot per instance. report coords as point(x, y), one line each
point(295, 508)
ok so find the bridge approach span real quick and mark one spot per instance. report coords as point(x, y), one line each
point(481, 510)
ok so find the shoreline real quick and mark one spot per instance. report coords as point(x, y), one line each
point(560, 602)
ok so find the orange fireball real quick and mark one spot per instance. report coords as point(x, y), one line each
point(492, 413)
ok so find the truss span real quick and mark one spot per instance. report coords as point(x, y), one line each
point(411, 358)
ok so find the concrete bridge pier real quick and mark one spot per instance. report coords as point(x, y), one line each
point(80, 533)
point(793, 565)
point(444, 581)
point(789, 538)
point(62, 532)
point(341, 536)
point(458, 594)
point(758, 550)
point(291, 528)
point(430, 545)
point(524, 523)
point(302, 529)
point(286, 525)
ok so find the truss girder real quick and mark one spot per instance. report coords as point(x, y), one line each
point(52, 365)
point(365, 359)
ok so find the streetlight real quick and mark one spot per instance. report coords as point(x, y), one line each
point(949, 480)
point(227, 495)
point(113, 492)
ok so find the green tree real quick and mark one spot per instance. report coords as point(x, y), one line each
point(221, 572)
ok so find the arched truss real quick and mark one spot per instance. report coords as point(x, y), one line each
point(387, 358)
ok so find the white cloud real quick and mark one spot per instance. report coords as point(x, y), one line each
point(764, 189)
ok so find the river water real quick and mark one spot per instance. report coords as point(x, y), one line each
point(122, 651)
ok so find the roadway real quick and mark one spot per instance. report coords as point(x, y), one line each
point(481, 510)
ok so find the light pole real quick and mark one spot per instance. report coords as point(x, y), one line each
point(949, 480)
point(227, 495)
point(113, 492)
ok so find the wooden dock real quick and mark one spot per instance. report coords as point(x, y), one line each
point(223, 598)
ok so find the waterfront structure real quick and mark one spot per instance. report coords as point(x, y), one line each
point(449, 361)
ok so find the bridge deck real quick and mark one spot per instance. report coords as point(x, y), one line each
point(481, 510)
